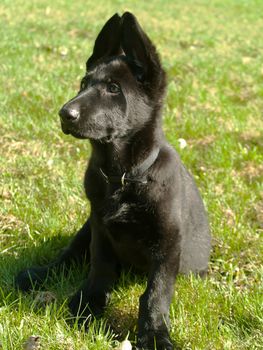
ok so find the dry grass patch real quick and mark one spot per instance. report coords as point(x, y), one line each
point(252, 171)
point(203, 141)
point(259, 212)
point(9, 222)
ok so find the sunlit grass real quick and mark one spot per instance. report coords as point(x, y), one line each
point(212, 52)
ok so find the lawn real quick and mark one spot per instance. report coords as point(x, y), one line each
point(212, 52)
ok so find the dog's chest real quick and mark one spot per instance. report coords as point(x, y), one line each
point(128, 218)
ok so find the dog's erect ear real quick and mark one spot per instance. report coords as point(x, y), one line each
point(139, 48)
point(108, 41)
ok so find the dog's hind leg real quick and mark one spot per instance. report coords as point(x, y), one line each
point(77, 251)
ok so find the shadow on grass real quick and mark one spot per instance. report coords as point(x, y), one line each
point(120, 315)
point(61, 283)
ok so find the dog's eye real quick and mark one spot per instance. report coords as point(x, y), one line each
point(113, 88)
point(83, 84)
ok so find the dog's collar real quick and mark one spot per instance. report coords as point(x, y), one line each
point(136, 175)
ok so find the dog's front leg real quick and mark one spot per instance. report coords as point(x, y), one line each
point(92, 297)
point(155, 304)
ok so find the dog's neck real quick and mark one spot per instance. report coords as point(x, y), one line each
point(124, 154)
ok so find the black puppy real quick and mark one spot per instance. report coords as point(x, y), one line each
point(146, 211)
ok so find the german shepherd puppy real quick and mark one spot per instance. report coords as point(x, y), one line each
point(146, 210)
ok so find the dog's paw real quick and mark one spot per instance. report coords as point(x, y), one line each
point(85, 306)
point(31, 278)
point(77, 306)
point(154, 341)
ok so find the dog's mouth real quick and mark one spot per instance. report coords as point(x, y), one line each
point(68, 131)
point(79, 135)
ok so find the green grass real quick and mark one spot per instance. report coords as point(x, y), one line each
point(212, 51)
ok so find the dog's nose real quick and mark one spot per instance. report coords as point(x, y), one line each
point(69, 114)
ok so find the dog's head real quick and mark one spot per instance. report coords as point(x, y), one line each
point(123, 88)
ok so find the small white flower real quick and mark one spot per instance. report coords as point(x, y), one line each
point(125, 345)
point(63, 51)
point(182, 143)
point(50, 162)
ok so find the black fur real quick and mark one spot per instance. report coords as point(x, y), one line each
point(160, 226)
